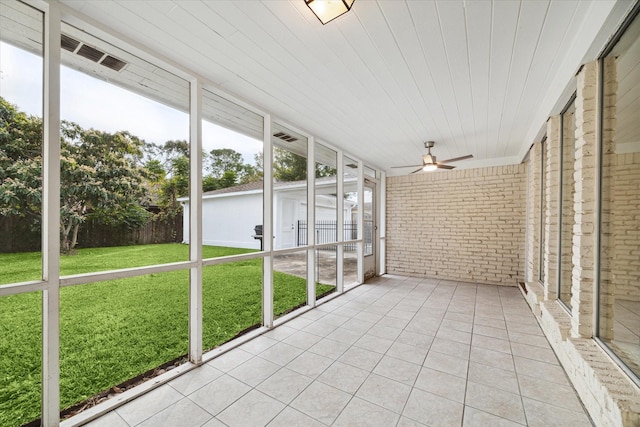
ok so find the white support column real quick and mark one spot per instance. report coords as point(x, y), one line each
point(382, 223)
point(51, 221)
point(311, 223)
point(340, 223)
point(267, 226)
point(584, 251)
point(552, 191)
point(360, 222)
point(530, 226)
point(195, 223)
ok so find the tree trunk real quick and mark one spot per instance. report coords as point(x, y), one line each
point(66, 228)
point(74, 239)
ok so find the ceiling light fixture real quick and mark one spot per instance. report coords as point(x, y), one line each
point(429, 167)
point(328, 10)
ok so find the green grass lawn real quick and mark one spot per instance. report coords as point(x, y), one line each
point(115, 330)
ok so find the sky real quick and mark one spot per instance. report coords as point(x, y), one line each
point(117, 108)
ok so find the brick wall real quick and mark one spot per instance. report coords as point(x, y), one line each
point(534, 200)
point(625, 206)
point(607, 253)
point(567, 210)
point(551, 212)
point(607, 392)
point(585, 195)
point(466, 225)
point(620, 264)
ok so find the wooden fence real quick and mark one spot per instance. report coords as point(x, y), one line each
point(16, 234)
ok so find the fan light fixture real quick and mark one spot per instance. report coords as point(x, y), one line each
point(328, 10)
point(429, 163)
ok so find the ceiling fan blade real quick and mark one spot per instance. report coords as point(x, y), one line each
point(445, 166)
point(456, 159)
point(406, 166)
point(416, 171)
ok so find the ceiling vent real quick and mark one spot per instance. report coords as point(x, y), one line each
point(285, 137)
point(91, 53)
point(68, 43)
point(113, 63)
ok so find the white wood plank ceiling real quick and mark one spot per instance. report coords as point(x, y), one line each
point(478, 77)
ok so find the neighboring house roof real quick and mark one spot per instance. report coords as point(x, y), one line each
point(256, 185)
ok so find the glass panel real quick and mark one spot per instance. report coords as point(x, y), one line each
point(350, 199)
point(20, 358)
point(290, 282)
point(326, 195)
point(368, 221)
point(350, 260)
point(289, 188)
point(232, 196)
point(350, 220)
point(232, 300)
point(125, 156)
point(369, 172)
point(326, 270)
point(21, 68)
point(326, 216)
point(114, 331)
point(543, 209)
point(619, 314)
point(566, 209)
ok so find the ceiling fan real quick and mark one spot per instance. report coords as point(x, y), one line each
point(429, 161)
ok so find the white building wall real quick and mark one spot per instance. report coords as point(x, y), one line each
point(240, 212)
point(229, 220)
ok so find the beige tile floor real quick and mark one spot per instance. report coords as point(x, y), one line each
point(394, 352)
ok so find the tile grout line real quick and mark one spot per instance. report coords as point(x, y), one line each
point(524, 412)
point(368, 376)
point(466, 383)
point(428, 350)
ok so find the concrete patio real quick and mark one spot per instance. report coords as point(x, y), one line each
point(296, 264)
point(396, 351)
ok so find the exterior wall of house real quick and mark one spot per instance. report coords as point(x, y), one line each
point(625, 204)
point(534, 172)
point(466, 225)
point(241, 212)
point(229, 220)
point(552, 211)
point(609, 395)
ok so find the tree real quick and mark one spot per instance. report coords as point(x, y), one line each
point(253, 173)
point(155, 170)
point(288, 166)
point(175, 185)
point(224, 160)
point(20, 164)
point(174, 149)
point(100, 176)
point(227, 169)
point(101, 180)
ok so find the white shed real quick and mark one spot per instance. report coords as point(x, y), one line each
point(230, 215)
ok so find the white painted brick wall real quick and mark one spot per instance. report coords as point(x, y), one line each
point(466, 225)
point(624, 217)
point(568, 212)
point(611, 398)
point(607, 255)
point(585, 195)
point(534, 171)
point(552, 183)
